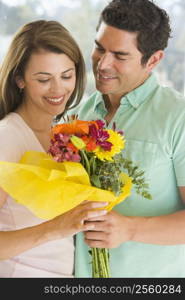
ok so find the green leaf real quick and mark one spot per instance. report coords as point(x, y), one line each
point(95, 181)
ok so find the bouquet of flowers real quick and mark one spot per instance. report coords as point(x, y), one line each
point(99, 150)
point(79, 166)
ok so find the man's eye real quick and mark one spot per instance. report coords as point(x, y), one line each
point(100, 49)
point(120, 57)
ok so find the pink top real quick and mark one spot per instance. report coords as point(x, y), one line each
point(52, 259)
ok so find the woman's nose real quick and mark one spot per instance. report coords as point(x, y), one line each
point(56, 85)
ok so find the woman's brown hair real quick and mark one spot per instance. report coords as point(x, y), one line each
point(47, 35)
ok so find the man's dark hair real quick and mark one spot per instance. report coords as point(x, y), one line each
point(141, 16)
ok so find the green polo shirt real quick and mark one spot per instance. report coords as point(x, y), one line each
point(153, 120)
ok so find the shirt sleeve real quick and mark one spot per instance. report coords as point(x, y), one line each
point(179, 151)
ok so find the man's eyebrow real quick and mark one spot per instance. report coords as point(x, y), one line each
point(46, 73)
point(114, 52)
point(98, 44)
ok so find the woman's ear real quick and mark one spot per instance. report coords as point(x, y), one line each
point(19, 81)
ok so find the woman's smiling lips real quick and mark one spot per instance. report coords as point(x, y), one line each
point(55, 100)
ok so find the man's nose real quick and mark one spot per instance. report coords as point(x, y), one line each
point(105, 61)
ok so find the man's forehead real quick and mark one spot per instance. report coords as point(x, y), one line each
point(115, 39)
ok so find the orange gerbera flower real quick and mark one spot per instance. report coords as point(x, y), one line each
point(75, 127)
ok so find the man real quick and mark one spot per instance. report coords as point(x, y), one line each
point(146, 237)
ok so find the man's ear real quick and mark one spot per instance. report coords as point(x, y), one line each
point(154, 60)
point(19, 81)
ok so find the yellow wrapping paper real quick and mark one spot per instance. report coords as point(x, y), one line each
point(49, 188)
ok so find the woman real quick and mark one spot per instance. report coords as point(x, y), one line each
point(42, 76)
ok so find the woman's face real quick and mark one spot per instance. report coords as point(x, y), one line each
point(49, 80)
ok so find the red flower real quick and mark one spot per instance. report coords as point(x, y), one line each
point(72, 147)
point(90, 143)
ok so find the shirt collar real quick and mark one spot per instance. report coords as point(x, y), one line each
point(141, 93)
point(135, 97)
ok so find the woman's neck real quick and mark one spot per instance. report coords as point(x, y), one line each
point(39, 124)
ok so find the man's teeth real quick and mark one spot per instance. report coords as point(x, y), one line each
point(107, 77)
point(55, 99)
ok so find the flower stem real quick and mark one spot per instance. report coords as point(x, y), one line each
point(100, 263)
point(86, 162)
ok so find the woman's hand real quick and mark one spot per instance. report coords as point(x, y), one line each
point(75, 220)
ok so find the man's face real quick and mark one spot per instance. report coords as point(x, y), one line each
point(117, 62)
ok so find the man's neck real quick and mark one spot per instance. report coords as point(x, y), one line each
point(111, 104)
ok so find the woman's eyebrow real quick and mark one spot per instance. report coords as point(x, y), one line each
point(43, 73)
point(46, 73)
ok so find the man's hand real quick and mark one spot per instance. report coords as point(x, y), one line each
point(109, 231)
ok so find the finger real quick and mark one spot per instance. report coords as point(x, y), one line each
point(90, 214)
point(81, 226)
point(98, 218)
point(93, 214)
point(96, 244)
point(99, 226)
point(94, 235)
point(87, 227)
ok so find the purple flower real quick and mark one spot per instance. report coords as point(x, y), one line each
point(101, 137)
point(93, 131)
point(105, 145)
point(76, 157)
point(62, 138)
point(60, 151)
point(54, 149)
point(98, 134)
point(100, 124)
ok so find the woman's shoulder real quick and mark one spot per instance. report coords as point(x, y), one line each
point(12, 139)
point(10, 128)
point(9, 121)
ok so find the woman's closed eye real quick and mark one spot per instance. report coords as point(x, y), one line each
point(43, 80)
point(65, 77)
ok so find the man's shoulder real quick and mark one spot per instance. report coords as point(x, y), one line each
point(169, 106)
point(170, 98)
point(173, 94)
